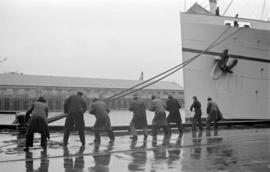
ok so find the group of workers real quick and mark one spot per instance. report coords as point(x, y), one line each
point(75, 107)
point(213, 113)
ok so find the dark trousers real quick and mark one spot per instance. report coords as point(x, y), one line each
point(208, 124)
point(109, 132)
point(133, 131)
point(166, 130)
point(179, 126)
point(30, 140)
point(196, 119)
point(67, 133)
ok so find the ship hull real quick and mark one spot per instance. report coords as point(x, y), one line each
point(243, 94)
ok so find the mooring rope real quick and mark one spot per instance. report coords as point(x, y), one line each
point(175, 68)
point(171, 70)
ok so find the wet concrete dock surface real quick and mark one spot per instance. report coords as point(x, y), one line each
point(218, 150)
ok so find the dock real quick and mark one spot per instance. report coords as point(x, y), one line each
point(239, 148)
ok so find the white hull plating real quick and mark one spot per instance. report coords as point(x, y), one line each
point(246, 92)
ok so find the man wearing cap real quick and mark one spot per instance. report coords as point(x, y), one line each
point(159, 120)
point(197, 118)
point(74, 107)
point(137, 106)
point(103, 122)
point(174, 116)
point(213, 113)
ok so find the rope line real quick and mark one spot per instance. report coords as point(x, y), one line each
point(229, 5)
point(172, 70)
point(263, 10)
point(175, 69)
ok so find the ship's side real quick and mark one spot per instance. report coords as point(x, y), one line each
point(246, 92)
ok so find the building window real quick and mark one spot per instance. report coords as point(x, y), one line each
point(16, 104)
point(1, 104)
point(118, 104)
point(50, 104)
point(128, 103)
point(58, 104)
point(113, 104)
point(21, 103)
point(110, 105)
point(125, 103)
point(6, 103)
point(25, 103)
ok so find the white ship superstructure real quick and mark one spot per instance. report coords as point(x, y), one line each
point(246, 92)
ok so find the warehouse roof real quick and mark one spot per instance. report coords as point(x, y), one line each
point(60, 81)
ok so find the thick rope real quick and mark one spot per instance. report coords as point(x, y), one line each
point(171, 70)
point(180, 66)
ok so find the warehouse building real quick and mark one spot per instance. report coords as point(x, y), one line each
point(18, 91)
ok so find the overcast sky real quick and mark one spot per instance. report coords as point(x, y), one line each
point(99, 38)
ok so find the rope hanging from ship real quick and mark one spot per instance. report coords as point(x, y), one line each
point(171, 70)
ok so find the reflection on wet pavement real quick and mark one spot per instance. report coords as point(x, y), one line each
point(210, 150)
point(78, 163)
point(196, 140)
point(102, 161)
point(44, 162)
point(139, 157)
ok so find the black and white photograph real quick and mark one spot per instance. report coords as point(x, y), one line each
point(135, 85)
